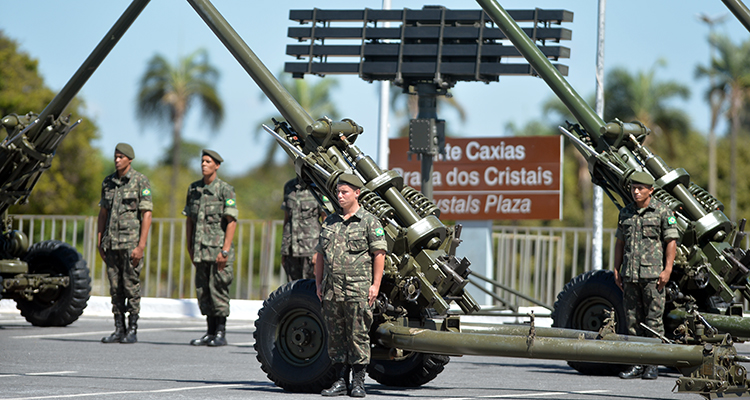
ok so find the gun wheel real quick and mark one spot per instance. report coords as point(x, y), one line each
point(291, 340)
point(581, 305)
point(56, 306)
point(413, 371)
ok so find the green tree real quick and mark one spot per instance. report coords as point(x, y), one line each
point(642, 97)
point(72, 183)
point(730, 73)
point(315, 98)
point(166, 93)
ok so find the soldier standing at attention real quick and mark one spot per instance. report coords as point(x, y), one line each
point(644, 254)
point(348, 270)
point(122, 230)
point(211, 211)
point(301, 231)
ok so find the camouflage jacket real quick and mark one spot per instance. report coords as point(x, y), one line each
point(302, 228)
point(207, 205)
point(347, 247)
point(124, 198)
point(645, 232)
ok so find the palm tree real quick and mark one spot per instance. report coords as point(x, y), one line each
point(314, 98)
point(730, 73)
point(643, 98)
point(166, 93)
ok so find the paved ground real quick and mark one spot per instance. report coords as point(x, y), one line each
point(71, 363)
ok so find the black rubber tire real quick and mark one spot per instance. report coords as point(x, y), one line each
point(580, 305)
point(61, 306)
point(294, 358)
point(416, 370)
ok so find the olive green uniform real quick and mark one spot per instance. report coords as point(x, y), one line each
point(207, 205)
point(347, 247)
point(125, 199)
point(301, 231)
point(645, 233)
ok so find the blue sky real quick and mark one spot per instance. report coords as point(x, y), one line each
point(60, 34)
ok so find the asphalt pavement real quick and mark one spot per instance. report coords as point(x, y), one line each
point(72, 363)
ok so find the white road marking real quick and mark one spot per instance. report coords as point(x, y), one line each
point(51, 373)
point(141, 330)
point(70, 396)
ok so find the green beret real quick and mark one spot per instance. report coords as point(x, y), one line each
point(351, 180)
point(642, 178)
point(126, 150)
point(217, 158)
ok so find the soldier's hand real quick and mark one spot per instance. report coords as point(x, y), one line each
point(618, 280)
point(372, 295)
point(101, 254)
point(319, 291)
point(663, 279)
point(136, 256)
point(221, 262)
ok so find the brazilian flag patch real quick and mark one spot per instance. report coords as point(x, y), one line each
point(379, 232)
point(146, 192)
point(671, 220)
point(230, 202)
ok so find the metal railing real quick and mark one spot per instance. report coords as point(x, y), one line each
point(167, 270)
point(534, 261)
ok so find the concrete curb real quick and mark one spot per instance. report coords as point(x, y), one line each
point(155, 307)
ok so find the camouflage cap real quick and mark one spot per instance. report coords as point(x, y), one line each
point(126, 150)
point(351, 180)
point(217, 158)
point(643, 178)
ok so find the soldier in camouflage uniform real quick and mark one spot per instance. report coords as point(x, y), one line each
point(348, 270)
point(644, 255)
point(211, 211)
point(123, 224)
point(301, 230)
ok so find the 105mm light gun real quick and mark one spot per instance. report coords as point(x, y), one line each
point(49, 280)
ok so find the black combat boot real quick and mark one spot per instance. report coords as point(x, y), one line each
point(119, 332)
point(634, 372)
point(651, 372)
point(211, 322)
point(220, 339)
point(358, 380)
point(130, 336)
point(339, 388)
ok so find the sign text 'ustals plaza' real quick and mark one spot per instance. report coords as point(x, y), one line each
point(490, 178)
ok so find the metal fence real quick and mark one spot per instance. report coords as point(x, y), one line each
point(537, 261)
point(167, 270)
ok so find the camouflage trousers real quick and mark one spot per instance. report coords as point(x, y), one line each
point(212, 288)
point(348, 325)
point(643, 303)
point(124, 282)
point(298, 268)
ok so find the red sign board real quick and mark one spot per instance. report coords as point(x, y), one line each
point(490, 178)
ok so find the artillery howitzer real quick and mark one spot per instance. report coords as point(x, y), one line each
point(710, 267)
point(413, 334)
point(50, 280)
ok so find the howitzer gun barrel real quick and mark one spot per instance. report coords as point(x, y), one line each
point(739, 10)
point(551, 348)
point(540, 331)
point(271, 87)
point(577, 106)
point(55, 108)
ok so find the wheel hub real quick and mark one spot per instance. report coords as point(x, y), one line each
point(300, 338)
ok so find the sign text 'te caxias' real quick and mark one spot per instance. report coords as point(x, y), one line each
point(490, 178)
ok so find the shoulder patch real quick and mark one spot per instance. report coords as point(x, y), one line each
point(146, 192)
point(230, 202)
point(379, 232)
point(671, 220)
